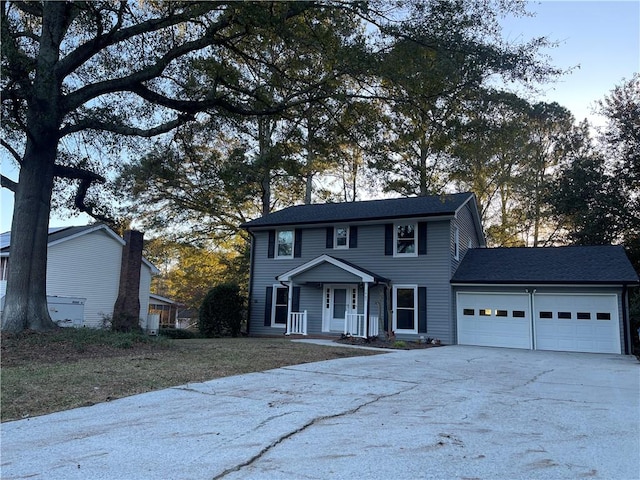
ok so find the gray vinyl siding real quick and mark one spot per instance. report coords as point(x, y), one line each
point(465, 224)
point(432, 270)
point(326, 273)
point(568, 289)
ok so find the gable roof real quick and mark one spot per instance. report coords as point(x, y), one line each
point(63, 234)
point(436, 205)
point(605, 264)
point(365, 275)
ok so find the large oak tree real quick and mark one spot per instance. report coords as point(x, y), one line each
point(92, 74)
point(75, 72)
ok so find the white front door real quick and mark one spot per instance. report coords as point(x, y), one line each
point(338, 299)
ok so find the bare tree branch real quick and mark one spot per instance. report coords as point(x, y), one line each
point(86, 178)
point(8, 183)
point(94, 124)
point(12, 151)
point(94, 46)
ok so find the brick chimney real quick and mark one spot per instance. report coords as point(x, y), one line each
point(126, 311)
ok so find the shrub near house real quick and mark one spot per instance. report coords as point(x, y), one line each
point(221, 311)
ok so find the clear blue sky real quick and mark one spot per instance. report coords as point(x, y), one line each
point(602, 38)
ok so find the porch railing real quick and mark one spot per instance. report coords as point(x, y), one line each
point(297, 323)
point(354, 325)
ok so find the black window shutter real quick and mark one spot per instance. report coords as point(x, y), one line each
point(267, 307)
point(388, 239)
point(329, 237)
point(353, 237)
point(272, 244)
point(297, 243)
point(295, 301)
point(385, 306)
point(422, 238)
point(422, 309)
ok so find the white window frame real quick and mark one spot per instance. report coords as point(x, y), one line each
point(4, 268)
point(274, 297)
point(415, 308)
point(277, 247)
point(335, 238)
point(395, 240)
point(456, 244)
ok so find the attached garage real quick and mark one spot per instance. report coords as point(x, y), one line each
point(563, 322)
point(571, 299)
point(494, 319)
point(577, 323)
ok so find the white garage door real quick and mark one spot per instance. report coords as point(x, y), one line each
point(577, 323)
point(494, 320)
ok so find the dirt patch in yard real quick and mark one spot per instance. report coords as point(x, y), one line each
point(49, 372)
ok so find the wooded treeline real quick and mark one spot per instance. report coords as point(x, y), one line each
point(194, 117)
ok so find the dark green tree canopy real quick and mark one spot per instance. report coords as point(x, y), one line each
point(82, 82)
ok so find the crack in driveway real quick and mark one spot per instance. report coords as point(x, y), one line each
point(304, 427)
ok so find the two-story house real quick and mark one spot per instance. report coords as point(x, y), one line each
point(401, 266)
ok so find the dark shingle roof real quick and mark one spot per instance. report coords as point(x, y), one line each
point(555, 265)
point(55, 234)
point(436, 205)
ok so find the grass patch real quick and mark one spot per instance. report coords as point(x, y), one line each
point(44, 373)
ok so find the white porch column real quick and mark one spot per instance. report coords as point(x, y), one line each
point(366, 309)
point(289, 306)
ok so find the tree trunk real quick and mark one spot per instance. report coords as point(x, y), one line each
point(26, 298)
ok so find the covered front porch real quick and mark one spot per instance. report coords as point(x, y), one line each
point(328, 295)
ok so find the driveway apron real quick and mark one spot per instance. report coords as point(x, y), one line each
point(451, 412)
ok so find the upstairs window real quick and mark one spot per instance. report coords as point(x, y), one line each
point(4, 268)
point(405, 239)
point(341, 239)
point(284, 247)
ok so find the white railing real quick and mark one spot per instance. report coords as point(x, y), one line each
point(297, 323)
point(354, 325)
point(373, 330)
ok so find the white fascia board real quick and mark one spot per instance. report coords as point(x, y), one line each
point(476, 217)
point(100, 226)
point(286, 277)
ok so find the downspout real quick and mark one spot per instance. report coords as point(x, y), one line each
point(249, 293)
point(626, 327)
point(532, 324)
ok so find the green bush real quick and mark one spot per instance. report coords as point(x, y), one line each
point(221, 311)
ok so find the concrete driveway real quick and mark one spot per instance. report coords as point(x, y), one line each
point(448, 413)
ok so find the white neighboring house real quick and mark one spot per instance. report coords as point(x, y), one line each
point(83, 263)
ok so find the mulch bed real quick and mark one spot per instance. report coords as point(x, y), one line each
point(378, 342)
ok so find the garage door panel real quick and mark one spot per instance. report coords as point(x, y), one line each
point(583, 331)
point(494, 320)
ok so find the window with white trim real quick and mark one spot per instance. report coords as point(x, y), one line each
point(405, 312)
point(4, 267)
point(279, 306)
point(405, 240)
point(341, 237)
point(456, 244)
point(284, 244)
